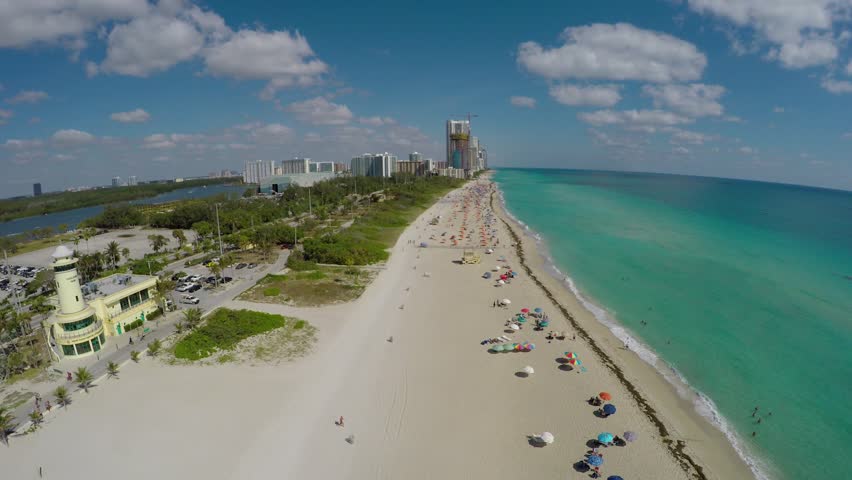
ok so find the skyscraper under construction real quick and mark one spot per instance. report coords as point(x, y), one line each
point(458, 143)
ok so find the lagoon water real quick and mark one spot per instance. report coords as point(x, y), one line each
point(746, 288)
point(73, 217)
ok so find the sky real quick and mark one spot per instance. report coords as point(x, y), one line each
point(755, 89)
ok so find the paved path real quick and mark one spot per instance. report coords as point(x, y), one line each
point(117, 349)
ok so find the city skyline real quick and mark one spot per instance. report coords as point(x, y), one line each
point(691, 87)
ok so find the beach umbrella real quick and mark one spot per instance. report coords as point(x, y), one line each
point(537, 310)
point(547, 437)
point(595, 460)
point(614, 477)
point(575, 362)
point(497, 348)
point(605, 437)
point(514, 327)
point(570, 354)
point(630, 436)
point(609, 409)
point(528, 370)
point(501, 282)
point(506, 301)
point(544, 323)
point(531, 346)
point(605, 396)
point(497, 269)
point(525, 310)
point(522, 319)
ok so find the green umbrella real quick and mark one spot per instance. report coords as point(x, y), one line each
point(522, 320)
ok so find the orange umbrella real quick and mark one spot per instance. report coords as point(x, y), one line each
point(605, 396)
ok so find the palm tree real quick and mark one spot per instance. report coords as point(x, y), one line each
point(87, 234)
point(125, 252)
point(62, 396)
point(215, 270)
point(179, 236)
point(84, 378)
point(36, 417)
point(157, 242)
point(113, 252)
point(134, 355)
point(165, 286)
point(6, 425)
point(112, 369)
point(192, 316)
point(154, 347)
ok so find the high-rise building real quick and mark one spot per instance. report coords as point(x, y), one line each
point(415, 157)
point(378, 165)
point(341, 168)
point(316, 167)
point(296, 165)
point(36, 189)
point(429, 165)
point(258, 169)
point(116, 181)
point(416, 168)
point(458, 138)
point(131, 181)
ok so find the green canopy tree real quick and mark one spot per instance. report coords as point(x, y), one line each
point(157, 242)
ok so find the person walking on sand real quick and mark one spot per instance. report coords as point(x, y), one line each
point(340, 422)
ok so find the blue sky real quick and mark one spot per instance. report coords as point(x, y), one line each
point(757, 89)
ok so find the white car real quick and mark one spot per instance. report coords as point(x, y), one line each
point(183, 287)
point(193, 278)
point(189, 299)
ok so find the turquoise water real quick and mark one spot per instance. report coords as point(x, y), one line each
point(746, 288)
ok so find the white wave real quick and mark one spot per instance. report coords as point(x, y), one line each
point(702, 404)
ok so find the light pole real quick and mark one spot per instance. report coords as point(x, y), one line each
point(310, 210)
point(219, 231)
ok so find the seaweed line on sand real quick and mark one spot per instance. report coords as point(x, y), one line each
point(675, 447)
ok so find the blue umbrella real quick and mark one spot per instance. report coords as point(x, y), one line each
point(614, 477)
point(595, 460)
point(538, 310)
point(605, 438)
point(609, 409)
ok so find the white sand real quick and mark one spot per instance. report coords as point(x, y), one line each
point(434, 404)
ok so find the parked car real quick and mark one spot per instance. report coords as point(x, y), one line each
point(193, 278)
point(194, 287)
point(225, 279)
point(240, 265)
point(252, 265)
point(183, 287)
point(178, 276)
point(189, 299)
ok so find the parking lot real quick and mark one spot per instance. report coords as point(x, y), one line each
point(16, 278)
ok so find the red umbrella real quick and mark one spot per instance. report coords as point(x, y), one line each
point(525, 310)
point(605, 396)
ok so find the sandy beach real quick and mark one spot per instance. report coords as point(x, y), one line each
point(432, 404)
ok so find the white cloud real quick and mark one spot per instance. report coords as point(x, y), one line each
point(847, 135)
point(161, 158)
point(133, 116)
point(377, 121)
point(72, 136)
point(25, 23)
point(62, 157)
point(240, 146)
point(747, 150)
point(28, 96)
point(680, 150)
point(686, 136)
point(283, 58)
point(849, 69)
point(16, 144)
point(150, 44)
point(778, 110)
point(523, 102)
point(274, 132)
point(5, 115)
point(837, 86)
point(694, 100)
point(319, 111)
point(633, 119)
point(312, 137)
point(615, 52)
point(162, 140)
point(800, 31)
point(593, 95)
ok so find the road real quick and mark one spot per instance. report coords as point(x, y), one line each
point(117, 349)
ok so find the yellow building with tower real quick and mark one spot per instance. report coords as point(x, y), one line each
point(112, 306)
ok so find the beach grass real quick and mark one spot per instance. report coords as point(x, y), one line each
point(322, 285)
point(223, 330)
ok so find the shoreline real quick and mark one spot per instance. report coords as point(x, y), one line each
point(722, 457)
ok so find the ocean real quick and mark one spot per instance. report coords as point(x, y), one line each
point(744, 289)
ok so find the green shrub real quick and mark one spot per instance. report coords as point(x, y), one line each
point(300, 324)
point(224, 330)
point(154, 315)
point(296, 262)
point(132, 325)
point(271, 292)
